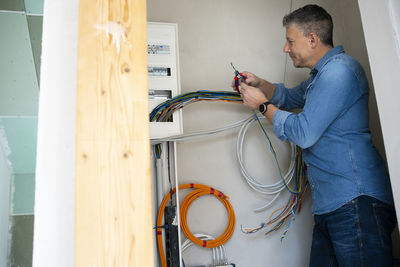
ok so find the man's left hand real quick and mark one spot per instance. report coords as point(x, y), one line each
point(252, 96)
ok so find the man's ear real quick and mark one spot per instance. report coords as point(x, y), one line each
point(313, 39)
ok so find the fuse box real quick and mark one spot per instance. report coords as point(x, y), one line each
point(163, 71)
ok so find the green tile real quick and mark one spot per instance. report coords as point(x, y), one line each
point(35, 33)
point(12, 5)
point(19, 87)
point(24, 193)
point(34, 6)
point(22, 241)
point(21, 136)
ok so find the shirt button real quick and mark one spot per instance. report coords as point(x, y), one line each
point(312, 186)
point(308, 165)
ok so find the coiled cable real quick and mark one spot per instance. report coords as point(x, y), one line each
point(198, 191)
point(266, 189)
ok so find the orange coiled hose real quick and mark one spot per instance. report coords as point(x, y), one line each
point(199, 191)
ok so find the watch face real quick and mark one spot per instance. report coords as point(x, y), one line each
point(262, 108)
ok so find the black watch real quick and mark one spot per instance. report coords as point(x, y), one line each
point(263, 107)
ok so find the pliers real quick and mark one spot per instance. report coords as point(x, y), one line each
point(238, 75)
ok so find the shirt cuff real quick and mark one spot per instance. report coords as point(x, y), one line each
point(278, 96)
point(278, 120)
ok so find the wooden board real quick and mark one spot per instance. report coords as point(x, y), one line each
point(113, 224)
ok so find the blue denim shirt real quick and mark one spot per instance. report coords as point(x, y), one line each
point(333, 131)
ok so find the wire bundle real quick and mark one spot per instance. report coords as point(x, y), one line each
point(266, 189)
point(295, 172)
point(165, 110)
point(198, 191)
point(219, 257)
point(293, 205)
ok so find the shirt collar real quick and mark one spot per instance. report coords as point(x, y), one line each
point(334, 51)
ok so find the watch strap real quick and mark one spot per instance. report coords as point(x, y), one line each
point(263, 107)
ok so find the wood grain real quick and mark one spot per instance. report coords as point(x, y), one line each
point(113, 224)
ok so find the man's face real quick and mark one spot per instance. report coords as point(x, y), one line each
point(297, 46)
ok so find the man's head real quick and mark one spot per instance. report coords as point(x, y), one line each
point(308, 35)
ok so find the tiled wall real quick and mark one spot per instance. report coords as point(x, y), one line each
point(20, 48)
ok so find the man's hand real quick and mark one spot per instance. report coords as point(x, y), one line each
point(252, 96)
point(251, 80)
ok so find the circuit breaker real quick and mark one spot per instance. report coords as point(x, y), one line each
point(163, 71)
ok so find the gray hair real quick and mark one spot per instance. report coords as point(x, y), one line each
point(312, 18)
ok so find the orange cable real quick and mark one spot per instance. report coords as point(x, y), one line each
point(199, 191)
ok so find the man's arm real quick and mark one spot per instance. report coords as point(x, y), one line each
point(334, 93)
point(278, 94)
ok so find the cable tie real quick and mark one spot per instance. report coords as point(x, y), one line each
point(191, 185)
point(204, 243)
point(212, 190)
point(221, 195)
point(165, 226)
point(159, 233)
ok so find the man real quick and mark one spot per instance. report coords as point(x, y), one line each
point(352, 199)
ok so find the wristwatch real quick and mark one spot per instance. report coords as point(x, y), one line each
point(263, 107)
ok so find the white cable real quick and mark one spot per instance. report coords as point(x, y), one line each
point(265, 189)
point(273, 189)
point(199, 134)
point(218, 253)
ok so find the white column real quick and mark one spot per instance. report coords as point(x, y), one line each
point(381, 24)
point(54, 203)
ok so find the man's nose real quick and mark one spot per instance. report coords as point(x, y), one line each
point(286, 48)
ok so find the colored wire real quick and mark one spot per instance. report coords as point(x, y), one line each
point(198, 191)
point(287, 212)
point(273, 189)
point(164, 111)
point(276, 159)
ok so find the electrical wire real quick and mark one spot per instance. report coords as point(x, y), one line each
point(198, 190)
point(200, 134)
point(273, 189)
point(218, 253)
point(164, 111)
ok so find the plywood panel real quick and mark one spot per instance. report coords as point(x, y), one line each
point(113, 201)
point(34, 6)
point(13, 5)
point(35, 34)
point(19, 86)
point(21, 136)
point(22, 243)
point(23, 193)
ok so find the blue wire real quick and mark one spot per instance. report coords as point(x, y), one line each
point(273, 152)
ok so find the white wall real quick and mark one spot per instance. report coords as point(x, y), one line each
point(5, 178)
point(211, 35)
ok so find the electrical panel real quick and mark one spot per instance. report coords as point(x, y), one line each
point(163, 71)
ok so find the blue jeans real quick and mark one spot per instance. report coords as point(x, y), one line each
point(356, 234)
